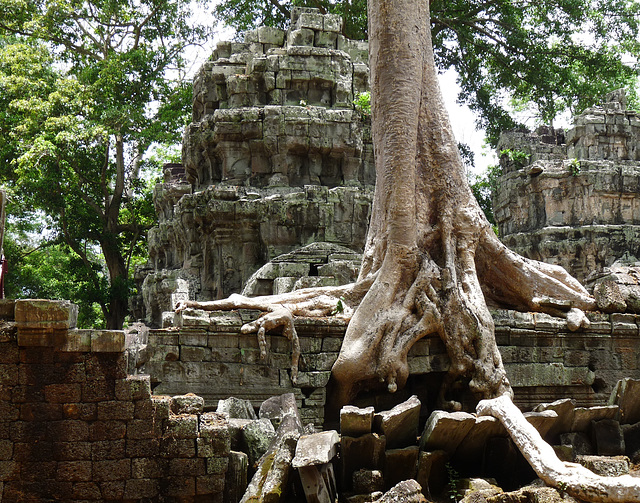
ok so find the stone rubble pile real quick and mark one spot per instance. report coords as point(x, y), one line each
point(378, 454)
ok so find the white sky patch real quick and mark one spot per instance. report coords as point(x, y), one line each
point(463, 122)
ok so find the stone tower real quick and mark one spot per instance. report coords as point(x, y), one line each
point(276, 157)
point(573, 198)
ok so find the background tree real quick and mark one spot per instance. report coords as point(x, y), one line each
point(556, 56)
point(87, 88)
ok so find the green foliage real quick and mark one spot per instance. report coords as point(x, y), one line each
point(84, 93)
point(484, 187)
point(363, 103)
point(574, 166)
point(454, 481)
point(518, 157)
point(545, 56)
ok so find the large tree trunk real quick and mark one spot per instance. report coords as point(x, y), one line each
point(429, 249)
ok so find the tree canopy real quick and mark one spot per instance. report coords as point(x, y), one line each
point(554, 56)
point(86, 88)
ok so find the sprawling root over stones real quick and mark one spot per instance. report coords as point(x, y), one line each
point(572, 478)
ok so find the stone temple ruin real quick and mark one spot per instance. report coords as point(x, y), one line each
point(273, 195)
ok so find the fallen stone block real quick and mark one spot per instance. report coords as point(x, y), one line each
point(445, 430)
point(366, 451)
point(583, 417)
point(632, 441)
point(407, 491)
point(316, 449)
point(565, 410)
point(257, 436)
point(432, 472)
point(626, 395)
point(608, 438)
point(367, 481)
point(400, 464)
point(579, 441)
point(355, 421)
point(236, 408)
point(236, 476)
point(400, 424)
point(606, 466)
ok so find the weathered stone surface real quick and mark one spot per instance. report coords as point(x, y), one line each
point(276, 157)
point(355, 421)
point(236, 476)
point(579, 207)
point(608, 438)
point(432, 471)
point(564, 408)
point(400, 424)
point(400, 464)
point(316, 449)
point(236, 408)
point(187, 404)
point(583, 416)
point(470, 451)
point(366, 451)
point(475, 490)
point(626, 395)
point(632, 441)
point(579, 441)
point(257, 436)
point(445, 430)
point(407, 491)
point(367, 481)
point(606, 466)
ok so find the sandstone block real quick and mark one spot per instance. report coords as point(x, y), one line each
point(236, 476)
point(257, 435)
point(107, 341)
point(400, 464)
point(366, 451)
point(367, 481)
point(608, 438)
point(445, 430)
point(355, 421)
point(579, 441)
point(187, 404)
point(76, 341)
point(138, 489)
point(400, 424)
point(236, 408)
point(182, 427)
point(316, 449)
point(626, 395)
point(583, 417)
point(605, 466)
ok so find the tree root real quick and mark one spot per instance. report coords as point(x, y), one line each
point(571, 478)
point(279, 312)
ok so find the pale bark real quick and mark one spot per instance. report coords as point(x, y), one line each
point(571, 478)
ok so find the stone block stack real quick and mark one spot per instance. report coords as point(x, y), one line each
point(75, 427)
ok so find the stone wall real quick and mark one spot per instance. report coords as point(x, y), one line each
point(205, 353)
point(74, 426)
point(575, 200)
point(276, 158)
